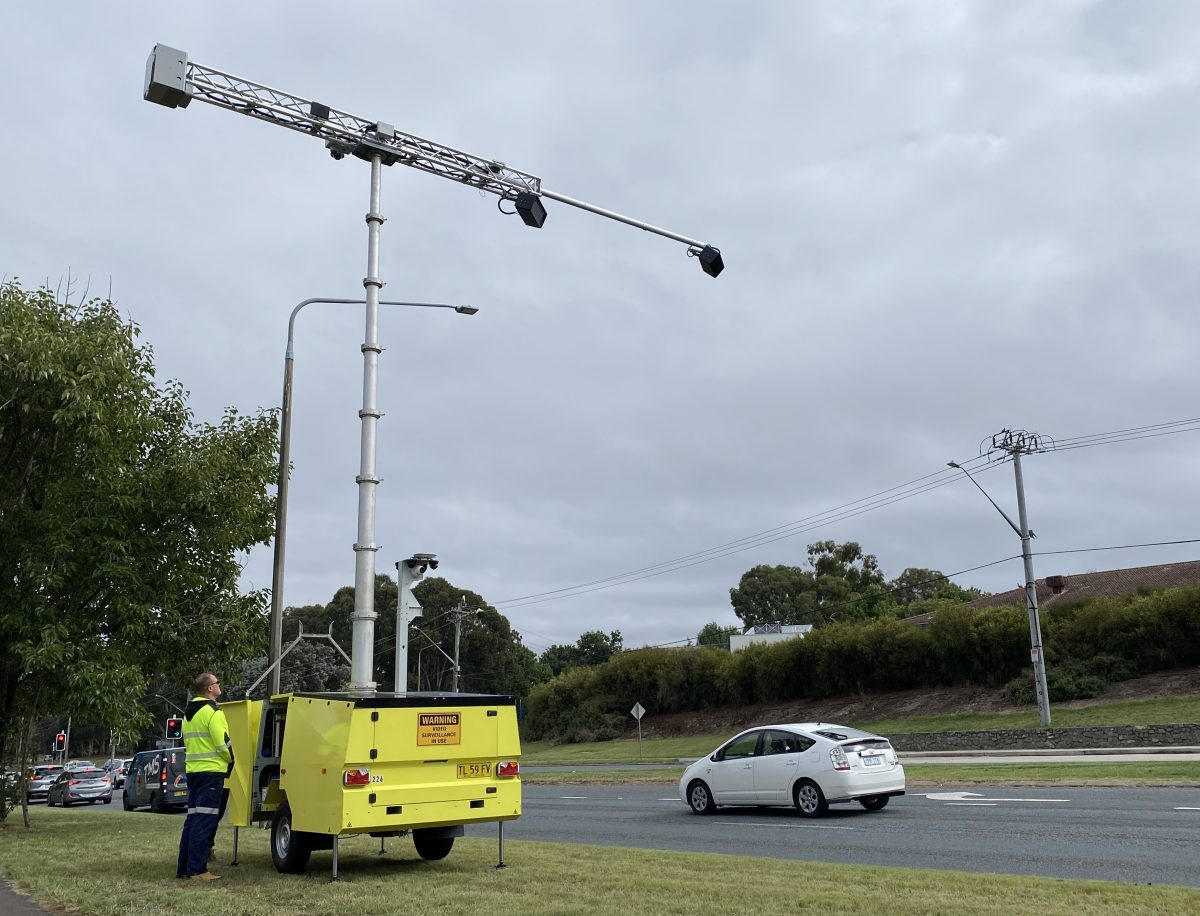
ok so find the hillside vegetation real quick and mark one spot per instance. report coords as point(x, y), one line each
point(1090, 646)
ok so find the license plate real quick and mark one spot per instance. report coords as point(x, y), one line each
point(474, 770)
point(872, 761)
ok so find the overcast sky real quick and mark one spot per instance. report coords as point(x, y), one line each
point(939, 219)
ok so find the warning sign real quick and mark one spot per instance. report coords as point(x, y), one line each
point(434, 728)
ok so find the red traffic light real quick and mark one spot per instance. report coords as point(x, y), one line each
point(174, 730)
point(60, 741)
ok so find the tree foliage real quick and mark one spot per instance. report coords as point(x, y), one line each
point(491, 655)
point(122, 518)
point(839, 583)
point(593, 647)
point(713, 634)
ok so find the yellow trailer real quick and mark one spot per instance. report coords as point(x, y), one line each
point(316, 767)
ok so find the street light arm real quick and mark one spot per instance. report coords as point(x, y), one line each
point(432, 644)
point(460, 309)
point(1015, 527)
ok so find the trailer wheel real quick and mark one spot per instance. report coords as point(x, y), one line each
point(290, 848)
point(432, 848)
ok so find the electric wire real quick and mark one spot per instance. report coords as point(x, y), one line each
point(782, 532)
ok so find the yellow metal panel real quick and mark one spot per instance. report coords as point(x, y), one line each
point(314, 755)
point(244, 718)
point(413, 755)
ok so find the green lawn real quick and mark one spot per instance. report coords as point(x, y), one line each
point(116, 864)
point(669, 750)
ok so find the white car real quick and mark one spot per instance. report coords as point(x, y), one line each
point(809, 765)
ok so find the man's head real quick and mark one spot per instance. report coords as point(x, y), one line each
point(208, 686)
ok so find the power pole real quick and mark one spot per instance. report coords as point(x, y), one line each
point(1017, 443)
point(459, 613)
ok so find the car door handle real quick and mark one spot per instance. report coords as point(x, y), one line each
point(748, 766)
point(791, 763)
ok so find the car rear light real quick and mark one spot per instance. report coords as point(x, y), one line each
point(840, 761)
point(72, 782)
point(356, 777)
point(506, 768)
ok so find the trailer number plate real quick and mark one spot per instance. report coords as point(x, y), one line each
point(437, 728)
point(474, 770)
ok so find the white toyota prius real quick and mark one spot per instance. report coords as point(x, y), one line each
point(809, 765)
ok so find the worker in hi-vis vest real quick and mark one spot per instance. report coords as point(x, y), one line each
point(209, 761)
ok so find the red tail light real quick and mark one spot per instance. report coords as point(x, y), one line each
point(356, 777)
point(838, 757)
point(162, 777)
point(71, 782)
point(508, 768)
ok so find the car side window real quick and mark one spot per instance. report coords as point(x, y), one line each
point(740, 748)
point(785, 743)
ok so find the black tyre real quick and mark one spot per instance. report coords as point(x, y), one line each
point(809, 799)
point(154, 805)
point(125, 802)
point(290, 849)
point(432, 848)
point(700, 798)
point(874, 802)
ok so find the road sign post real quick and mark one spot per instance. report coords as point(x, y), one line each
point(637, 712)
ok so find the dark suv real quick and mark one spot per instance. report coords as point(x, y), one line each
point(157, 780)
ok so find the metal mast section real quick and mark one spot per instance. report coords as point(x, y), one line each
point(174, 81)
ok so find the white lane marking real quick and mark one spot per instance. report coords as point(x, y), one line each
point(792, 826)
point(572, 797)
point(676, 800)
point(971, 804)
point(1187, 809)
point(971, 796)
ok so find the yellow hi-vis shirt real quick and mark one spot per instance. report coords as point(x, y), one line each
point(206, 740)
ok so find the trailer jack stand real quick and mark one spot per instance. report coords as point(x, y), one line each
point(381, 849)
point(333, 877)
point(500, 836)
point(235, 842)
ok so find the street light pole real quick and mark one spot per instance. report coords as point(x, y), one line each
point(285, 448)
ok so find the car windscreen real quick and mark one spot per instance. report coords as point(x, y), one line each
point(88, 774)
point(176, 765)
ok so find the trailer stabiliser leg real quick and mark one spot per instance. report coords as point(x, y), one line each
point(500, 835)
point(382, 840)
point(235, 841)
point(334, 876)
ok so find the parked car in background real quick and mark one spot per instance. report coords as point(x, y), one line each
point(810, 765)
point(115, 767)
point(38, 783)
point(156, 780)
point(79, 785)
point(80, 765)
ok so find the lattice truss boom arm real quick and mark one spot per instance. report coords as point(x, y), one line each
point(173, 80)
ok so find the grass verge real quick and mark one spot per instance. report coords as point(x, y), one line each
point(128, 868)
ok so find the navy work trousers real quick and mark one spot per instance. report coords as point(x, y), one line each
point(203, 815)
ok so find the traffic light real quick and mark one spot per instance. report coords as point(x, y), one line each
point(174, 729)
point(60, 742)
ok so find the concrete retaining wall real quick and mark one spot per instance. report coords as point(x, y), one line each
point(1037, 738)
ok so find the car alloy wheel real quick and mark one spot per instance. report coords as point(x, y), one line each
point(700, 798)
point(810, 800)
